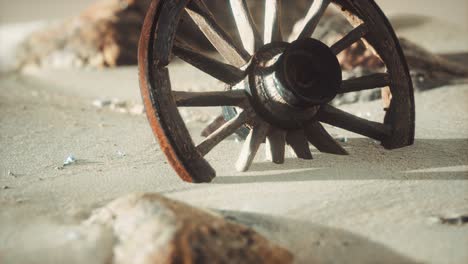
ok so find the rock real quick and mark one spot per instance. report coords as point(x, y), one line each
point(104, 35)
point(107, 33)
point(137, 109)
point(101, 103)
point(151, 229)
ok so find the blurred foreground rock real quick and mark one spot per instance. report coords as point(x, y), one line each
point(151, 229)
point(136, 229)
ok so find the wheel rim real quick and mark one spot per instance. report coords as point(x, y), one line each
point(159, 41)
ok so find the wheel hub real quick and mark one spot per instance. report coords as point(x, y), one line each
point(289, 82)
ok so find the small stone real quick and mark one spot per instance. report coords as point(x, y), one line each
point(343, 139)
point(69, 161)
point(434, 220)
point(5, 187)
point(117, 103)
point(99, 103)
point(73, 235)
point(455, 220)
point(137, 109)
point(20, 201)
point(11, 174)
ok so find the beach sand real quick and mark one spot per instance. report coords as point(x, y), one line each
point(374, 206)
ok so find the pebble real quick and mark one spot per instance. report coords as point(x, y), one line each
point(137, 109)
point(101, 103)
point(343, 139)
point(73, 235)
point(70, 160)
point(117, 103)
point(5, 187)
point(11, 174)
point(456, 220)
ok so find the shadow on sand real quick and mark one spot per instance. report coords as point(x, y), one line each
point(428, 159)
point(321, 244)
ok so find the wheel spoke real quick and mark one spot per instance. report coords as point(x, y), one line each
point(247, 30)
point(352, 37)
point(319, 137)
point(272, 31)
point(368, 82)
point(298, 142)
point(221, 71)
point(339, 118)
point(275, 146)
point(311, 20)
point(224, 98)
point(213, 126)
point(222, 133)
point(203, 18)
point(251, 145)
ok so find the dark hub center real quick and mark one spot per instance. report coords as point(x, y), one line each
point(289, 82)
point(310, 70)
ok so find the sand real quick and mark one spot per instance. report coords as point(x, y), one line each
point(374, 206)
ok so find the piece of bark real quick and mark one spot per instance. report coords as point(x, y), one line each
point(152, 229)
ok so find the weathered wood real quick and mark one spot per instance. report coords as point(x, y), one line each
point(213, 126)
point(321, 139)
point(223, 132)
point(376, 80)
point(315, 13)
point(272, 31)
point(168, 126)
point(381, 37)
point(339, 118)
point(386, 97)
point(164, 119)
point(205, 99)
point(298, 142)
point(349, 39)
point(275, 146)
point(221, 71)
point(237, 56)
point(251, 145)
point(248, 32)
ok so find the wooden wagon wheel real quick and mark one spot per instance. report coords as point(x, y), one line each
point(283, 89)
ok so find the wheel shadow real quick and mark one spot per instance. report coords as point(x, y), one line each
point(312, 243)
point(427, 159)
